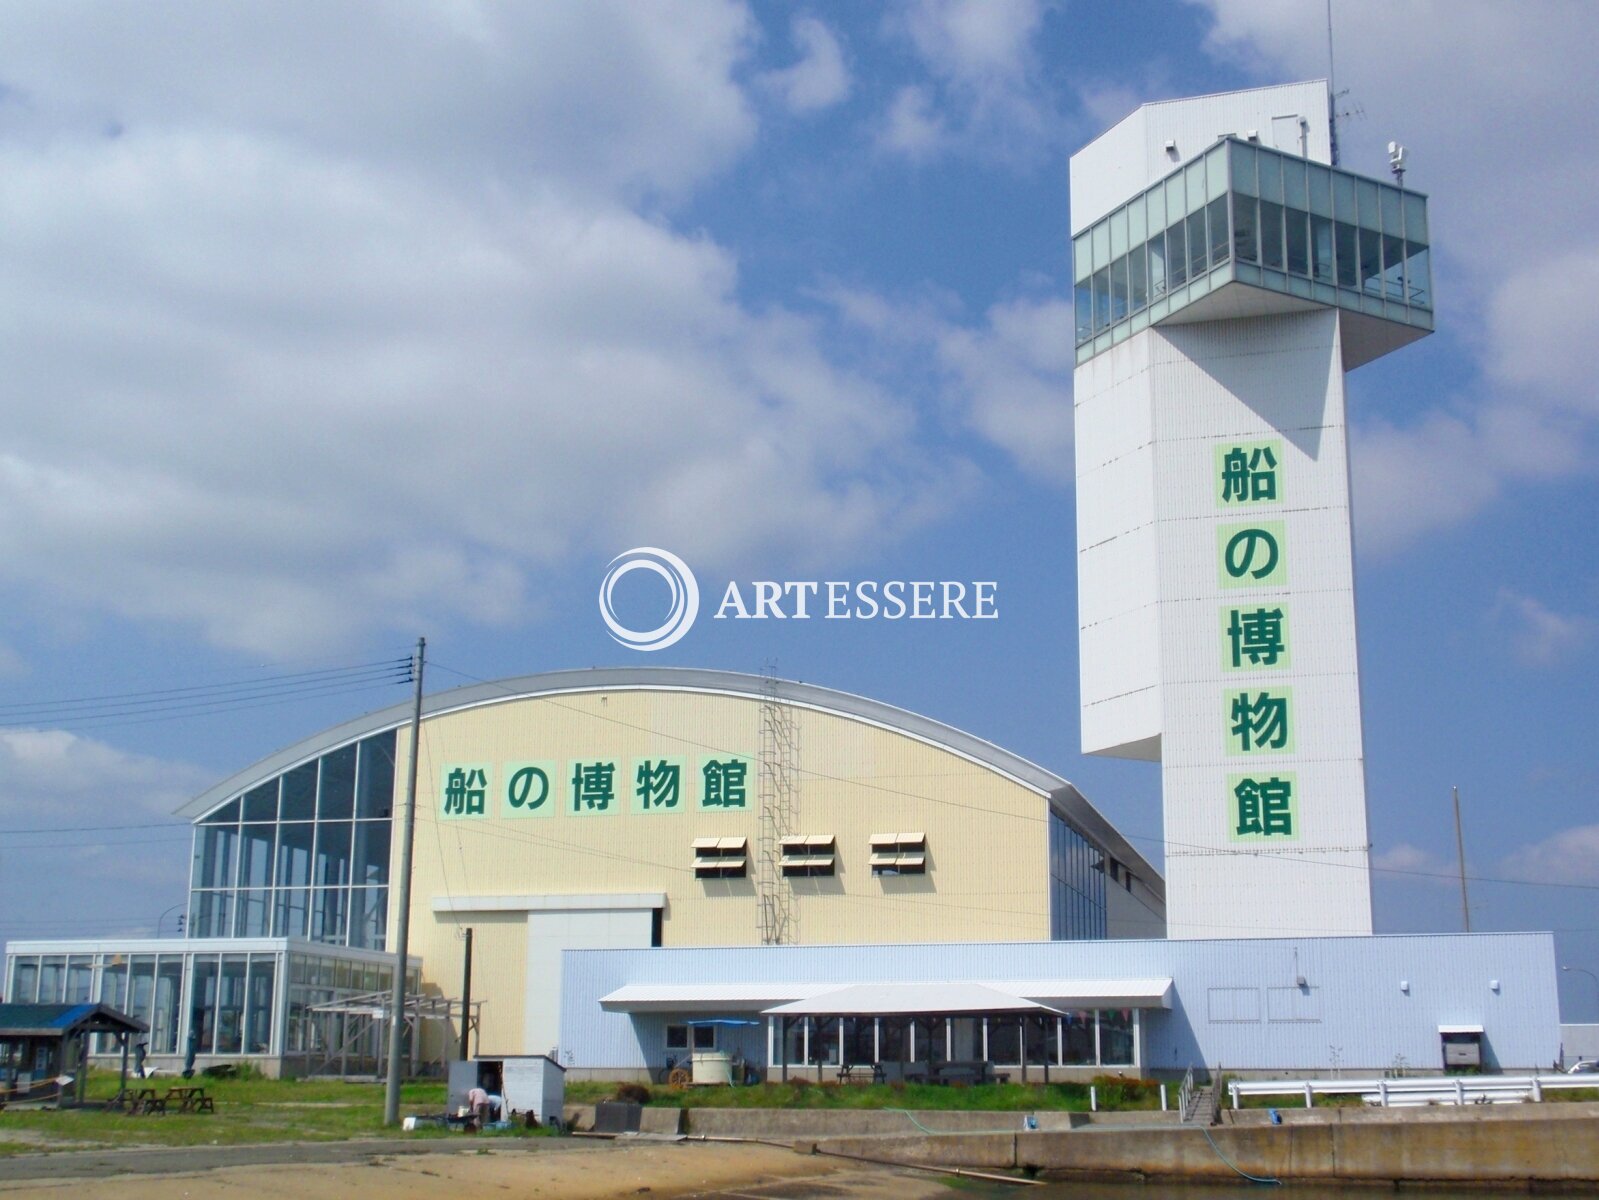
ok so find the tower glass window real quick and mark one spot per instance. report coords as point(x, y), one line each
point(1245, 215)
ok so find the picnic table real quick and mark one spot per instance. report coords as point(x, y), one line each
point(154, 1100)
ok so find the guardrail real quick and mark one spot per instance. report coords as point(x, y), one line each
point(1387, 1093)
point(1185, 1096)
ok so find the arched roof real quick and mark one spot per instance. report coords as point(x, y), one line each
point(1062, 794)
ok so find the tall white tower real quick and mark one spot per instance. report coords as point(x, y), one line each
point(1226, 278)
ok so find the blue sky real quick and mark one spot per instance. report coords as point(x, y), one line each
point(326, 327)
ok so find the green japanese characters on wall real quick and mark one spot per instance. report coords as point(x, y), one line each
point(596, 787)
point(1257, 718)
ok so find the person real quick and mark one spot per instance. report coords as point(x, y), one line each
point(140, 1049)
point(485, 1105)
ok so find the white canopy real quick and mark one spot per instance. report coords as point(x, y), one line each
point(887, 997)
point(707, 997)
point(874, 999)
point(1092, 993)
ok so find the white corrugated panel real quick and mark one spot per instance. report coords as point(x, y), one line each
point(881, 999)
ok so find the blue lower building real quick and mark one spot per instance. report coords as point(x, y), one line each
point(1369, 1005)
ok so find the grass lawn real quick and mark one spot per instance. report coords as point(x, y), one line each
point(247, 1110)
point(1114, 1094)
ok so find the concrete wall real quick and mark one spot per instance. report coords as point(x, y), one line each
point(1553, 1144)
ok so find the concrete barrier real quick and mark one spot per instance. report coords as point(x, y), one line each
point(1560, 1149)
point(791, 1124)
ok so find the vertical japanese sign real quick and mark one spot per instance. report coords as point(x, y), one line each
point(1257, 716)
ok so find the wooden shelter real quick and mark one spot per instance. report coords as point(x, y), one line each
point(44, 1048)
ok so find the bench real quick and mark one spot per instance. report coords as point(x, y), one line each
point(851, 1072)
point(973, 1071)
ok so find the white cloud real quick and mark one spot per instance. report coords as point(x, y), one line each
point(1450, 464)
point(1542, 331)
point(55, 777)
point(596, 96)
point(911, 127)
point(1480, 92)
point(1414, 862)
point(977, 43)
point(1570, 856)
point(1015, 378)
point(98, 879)
point(986, 94)
point(287, 371)
point(1411, 480)
point(1008, 378)
point(819, 79)
point(1539, 636)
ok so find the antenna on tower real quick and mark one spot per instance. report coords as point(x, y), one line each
point(1333, 93)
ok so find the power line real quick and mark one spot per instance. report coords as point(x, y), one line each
point(101, 828)
point(177, 703)
point(402, 665)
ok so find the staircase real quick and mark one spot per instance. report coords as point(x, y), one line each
point(1200, 1103)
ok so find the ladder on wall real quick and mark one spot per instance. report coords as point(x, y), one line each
point(777, 796)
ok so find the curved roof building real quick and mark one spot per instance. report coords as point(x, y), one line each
point(650, 806)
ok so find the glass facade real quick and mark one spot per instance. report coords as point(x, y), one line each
point(1247, 214)
point(301, 855)
point(1104, 1037)
point(1076, 884)
point(229, 999)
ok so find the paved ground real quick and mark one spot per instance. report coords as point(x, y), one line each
point(165, 1160)
point(549, 1169)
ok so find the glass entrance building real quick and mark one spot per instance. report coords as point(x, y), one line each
point(230, 998)
point(288, 914)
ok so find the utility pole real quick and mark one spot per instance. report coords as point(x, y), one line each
point(1460, 853)
point(402, 933)
point(466, 998)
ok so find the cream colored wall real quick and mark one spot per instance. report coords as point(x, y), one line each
point(987, 841)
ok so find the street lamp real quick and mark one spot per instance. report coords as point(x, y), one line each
point(1588, 973)
point(163, 916)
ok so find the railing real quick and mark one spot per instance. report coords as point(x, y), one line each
point(1387, 1093)
point(1186, 1097)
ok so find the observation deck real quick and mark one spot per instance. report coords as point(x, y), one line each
point(1243, 230)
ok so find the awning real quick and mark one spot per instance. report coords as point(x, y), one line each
point(1460, 1029)
point(884, 999)
point(1092, 993)
point(707, 997)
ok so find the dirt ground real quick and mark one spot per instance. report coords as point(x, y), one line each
point(597, 1171)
